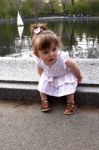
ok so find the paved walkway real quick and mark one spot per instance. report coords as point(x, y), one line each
point(24, 127)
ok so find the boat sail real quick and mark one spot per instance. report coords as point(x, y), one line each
point(20, 25)
point(19, 20)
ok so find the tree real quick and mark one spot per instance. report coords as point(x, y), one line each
point(19, 3)
point(53, 6)
point(64, 3)
point(73, 2)
point(7, 9)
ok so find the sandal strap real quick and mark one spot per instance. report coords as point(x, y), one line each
point(71, 104)
point(44, 100)
point(44, 105)
point(70, 108)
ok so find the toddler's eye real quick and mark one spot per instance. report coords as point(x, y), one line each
point(45, 52)
point(54, 49)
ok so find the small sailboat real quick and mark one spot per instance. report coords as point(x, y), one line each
point(20, 25)
point(19, 20)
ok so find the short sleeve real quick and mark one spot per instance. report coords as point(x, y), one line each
point(64, 56)
point(37, 61)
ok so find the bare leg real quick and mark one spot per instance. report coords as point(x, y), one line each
point(70, 107)
point(70, 98)
point(44, 102)
point(43, 96)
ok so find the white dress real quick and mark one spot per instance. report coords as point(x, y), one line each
point(56, 80)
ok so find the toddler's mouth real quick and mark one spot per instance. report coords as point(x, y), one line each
point(51, 59)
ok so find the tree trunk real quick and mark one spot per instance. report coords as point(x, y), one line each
point(73, 2)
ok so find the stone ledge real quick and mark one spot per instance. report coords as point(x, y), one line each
point(27, 91)
point(28, 85)
point(88, 88)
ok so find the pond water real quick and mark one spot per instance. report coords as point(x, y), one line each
point(80, 38)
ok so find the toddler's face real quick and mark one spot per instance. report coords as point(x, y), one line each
point(49, 56)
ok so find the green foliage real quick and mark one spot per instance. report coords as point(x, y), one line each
point(94, 7)
point(37, 8)
point(51, 8)
point(27, 8)
point(85, 7)
point(7, 9)
point(81, 8)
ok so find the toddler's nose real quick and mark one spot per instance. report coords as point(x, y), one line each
point(51, 53)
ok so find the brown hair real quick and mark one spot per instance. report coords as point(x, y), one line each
point(43, 39)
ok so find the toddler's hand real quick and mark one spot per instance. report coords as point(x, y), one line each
point(79, 79)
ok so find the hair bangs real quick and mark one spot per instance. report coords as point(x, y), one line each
point(47, 41)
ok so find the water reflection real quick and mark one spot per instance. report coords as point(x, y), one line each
point(85, 48)
point(22, 45)
point(20, 31)
point(80, 38)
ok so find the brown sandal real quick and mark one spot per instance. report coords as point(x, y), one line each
point(44, 105)
point(70, 109)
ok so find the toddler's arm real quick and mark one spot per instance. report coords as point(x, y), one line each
point(70, 63)
point(40, 70)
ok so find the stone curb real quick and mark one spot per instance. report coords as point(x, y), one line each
point(27, 91)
